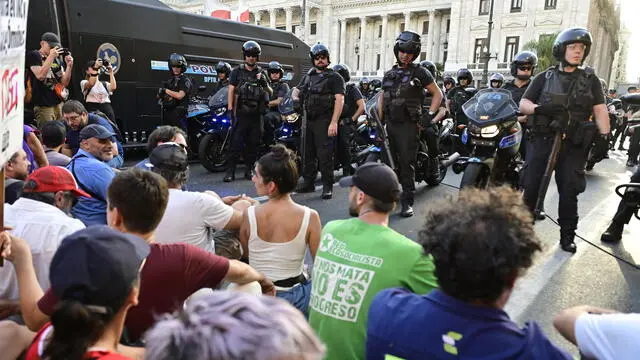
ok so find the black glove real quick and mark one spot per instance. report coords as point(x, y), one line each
point(426, 119)
point(161, 91)
point(262, 82)
point(550, 110)
point(601, 147)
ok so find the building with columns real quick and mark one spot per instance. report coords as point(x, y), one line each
point(361, 33)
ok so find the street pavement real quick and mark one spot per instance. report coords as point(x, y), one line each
point(557, 280)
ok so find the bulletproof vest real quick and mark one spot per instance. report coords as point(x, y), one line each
point(580, 94)
point(402, 101)
point(516, 92)
point(172, 84)
point(275, 86)
point(250, 94)
point(320, 99)
point(349, 102)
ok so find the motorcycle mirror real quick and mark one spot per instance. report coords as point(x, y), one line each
point(631, 99)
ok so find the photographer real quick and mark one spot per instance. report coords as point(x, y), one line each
point(97, 93)
point(48, 78)
point(174, 96)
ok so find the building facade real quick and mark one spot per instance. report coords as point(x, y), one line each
point(361, 33)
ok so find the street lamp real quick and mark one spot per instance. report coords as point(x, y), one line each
point(486, 54)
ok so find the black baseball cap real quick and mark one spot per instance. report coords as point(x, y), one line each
point(97, 266)
point(376, 180)
point(169, 156)
point(52, 39)
point(95, 131)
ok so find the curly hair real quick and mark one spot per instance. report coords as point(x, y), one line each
point(229, 325)
point(479, 242)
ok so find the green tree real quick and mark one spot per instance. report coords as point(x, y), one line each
point(543, 48)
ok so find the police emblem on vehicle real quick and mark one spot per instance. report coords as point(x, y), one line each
point(110, 52)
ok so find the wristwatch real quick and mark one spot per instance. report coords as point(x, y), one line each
point(431, 113)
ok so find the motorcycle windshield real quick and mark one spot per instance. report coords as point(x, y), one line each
point(490, 106)
point(220, 99)
point(371, 106)
point(286, 106)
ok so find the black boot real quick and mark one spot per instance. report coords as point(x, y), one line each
point(407, 210)
point(434, 168)
point(306, 187)
point(613, 233)
point(230, 175)
point(542, 215)
point(566, 241)
point(327, 192)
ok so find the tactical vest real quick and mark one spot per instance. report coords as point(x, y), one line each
point(251, 95)
point(402, 101)
point(320, 99)
point(275, 86)
point(349, 102)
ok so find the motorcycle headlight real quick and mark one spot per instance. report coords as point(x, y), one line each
point(291, 118)
point(489, 131)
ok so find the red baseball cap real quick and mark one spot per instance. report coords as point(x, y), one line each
point(53, 179)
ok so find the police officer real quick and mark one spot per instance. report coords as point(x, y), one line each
point(248, 94)
point(280, 90)
point(628, 206)
point(403, 95)
point(353, 108)
point(457, 96)
point(174, 95)
point(449, 83)
point(374, 86)
point(323, 92)
point(430, 130)
point(365, 87)
point(573, 119)
point(223, 70)
point(496, 80)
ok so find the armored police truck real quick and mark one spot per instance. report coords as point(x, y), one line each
point(137, 36)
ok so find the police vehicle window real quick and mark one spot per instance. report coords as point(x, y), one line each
point(511, 47)
point(516, 5)
point(550, 4)
point(484, 7)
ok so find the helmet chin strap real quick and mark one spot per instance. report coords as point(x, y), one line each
point(523, 77)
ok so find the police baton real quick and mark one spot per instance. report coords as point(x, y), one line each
point(303, 138)
point(560, 99)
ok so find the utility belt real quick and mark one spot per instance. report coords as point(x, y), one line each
point(291, 282)
point(252, 106)
point(579, 134)
point(401, 109)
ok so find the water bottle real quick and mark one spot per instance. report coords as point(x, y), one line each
point(126, 137)
point(135, 136)
point(143, 137)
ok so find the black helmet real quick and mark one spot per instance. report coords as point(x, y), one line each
point(448, 80)
point(364, 80)
point(344, 71)
point(223, 68)
point(430, 66)
point(524, 58)
point(465, 74)
point(251, 48)
point(571, 36)
point(275, 67)
point(375, 84)
point(317, 50)
point(407, 42)
point(496, 77)
point(177, 60)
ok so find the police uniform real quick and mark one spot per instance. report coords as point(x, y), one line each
point(402, 106)
point(584, 91)
point(431, 132)
point(176, 110)
point(272, 117)
point(219, 85)
point(516, 94)
point(250, 106)
point(629, 204)
point(458, 96)
point(319, 89)
point(347, 126)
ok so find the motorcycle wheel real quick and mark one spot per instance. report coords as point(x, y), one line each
point(211, 154)
point(438, 180)
point(371, 157)
point(475, 175)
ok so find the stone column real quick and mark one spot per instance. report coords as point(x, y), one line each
point(272, 18)
point(407, 21)
point(307, 26)
point(363, 25)
point(383, 44)
point(343, 41)
point(432, 20)
point(437, 37)
point(257, 17)
point(288, 12)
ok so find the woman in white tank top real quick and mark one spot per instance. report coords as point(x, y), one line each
point(276, 234)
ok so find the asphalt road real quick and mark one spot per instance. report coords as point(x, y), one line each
point(557, 280)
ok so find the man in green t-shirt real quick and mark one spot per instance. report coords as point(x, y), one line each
point(359, 257)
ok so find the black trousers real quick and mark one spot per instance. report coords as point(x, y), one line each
point(569, 175)
point(634, 144)
point(403, 140)
point(346, 130)
point(627, 209)
point(318, 152)
point(245, 140)
point(270, 122)
point(175, 116)
point(430, 136)
point(621, 131)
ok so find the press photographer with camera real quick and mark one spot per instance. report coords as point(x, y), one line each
point(97, 94)
point(174, 95)
point(48, 78)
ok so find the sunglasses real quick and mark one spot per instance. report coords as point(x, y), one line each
point(320, 57)
point(524, 67)
point(251, 56)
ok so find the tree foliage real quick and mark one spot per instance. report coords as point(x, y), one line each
point(543, 48)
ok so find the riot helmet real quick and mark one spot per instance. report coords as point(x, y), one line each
point(251, 48)
point(223, 68)
point(431, 67)
point(524, 58)
point(344, 71)
point(375, 84)
point(408, 42)
point(365, 81)
point(319, 50)
point(571, 36)
point(496, 78)
point(448, 80)
point(464, 73)
point(177, 60)
point(275, 68)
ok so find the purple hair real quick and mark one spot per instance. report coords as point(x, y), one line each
point(233, 326)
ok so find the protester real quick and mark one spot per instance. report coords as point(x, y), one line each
point(171, 274)
point(53, 136)
point(161, 135)
point(357, 258)
point(33, 147)
point(14, 339)
point(275, 235)
point(40, 217)
point(207, 211)
point(16, 171)
point(90, 169)
point(481, 244)
point(234, 326)
point(77, 118)
point(95, 275)
point(97, 94)
point(599, 333)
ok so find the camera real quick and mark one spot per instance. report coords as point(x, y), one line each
point(64, 52)
point(105, 61)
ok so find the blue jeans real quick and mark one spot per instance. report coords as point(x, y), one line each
point(298, 296)
point(116, 162)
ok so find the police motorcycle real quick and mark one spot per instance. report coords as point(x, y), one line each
point(446, 157)
point(215, 133)
point(493, 134)
point(288, 133)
